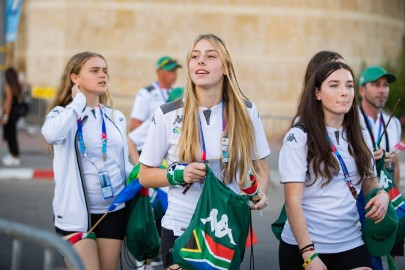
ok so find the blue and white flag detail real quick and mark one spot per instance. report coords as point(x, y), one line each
point(13, 11)
point(126, 194)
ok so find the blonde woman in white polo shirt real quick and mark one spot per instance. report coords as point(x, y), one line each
point(324, 163)
point(90, 161)
point(213, 112)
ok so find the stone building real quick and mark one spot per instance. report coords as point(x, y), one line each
point(271, 41)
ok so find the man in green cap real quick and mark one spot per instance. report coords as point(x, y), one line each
point(374, 90)
point(147, 100)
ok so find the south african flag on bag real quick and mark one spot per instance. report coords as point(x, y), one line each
point(216, 235)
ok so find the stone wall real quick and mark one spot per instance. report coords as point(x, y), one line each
point(271, 41)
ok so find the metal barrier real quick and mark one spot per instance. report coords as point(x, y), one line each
point(36, 113)
point(47, 240)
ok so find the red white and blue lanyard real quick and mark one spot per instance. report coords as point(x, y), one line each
point(103, 137)
point(346, 174)
point(204, 150)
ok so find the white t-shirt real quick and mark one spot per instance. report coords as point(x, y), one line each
point(161, 142)
point(393, 129)
point(330, 211)
point(146, 101)
point(115, 147)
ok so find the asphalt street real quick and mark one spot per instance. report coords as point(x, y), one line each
point(26, 194)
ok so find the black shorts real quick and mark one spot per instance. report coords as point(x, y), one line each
point(113, 226)
point(398, 249)
point(290, 258)
point(167, 239)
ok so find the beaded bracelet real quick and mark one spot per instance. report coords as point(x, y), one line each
point(310, 259)
point(308, 249)
point(307, 246)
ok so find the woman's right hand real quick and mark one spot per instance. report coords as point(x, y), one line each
point(75, 90)
point(194, 172)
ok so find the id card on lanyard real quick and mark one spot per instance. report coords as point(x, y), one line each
point(104, 178)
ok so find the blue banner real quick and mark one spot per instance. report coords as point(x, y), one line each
point(13, 10)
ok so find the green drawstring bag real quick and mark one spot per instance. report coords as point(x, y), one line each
point(217, 233)
point(142, 238)
point(386, 181)
point(278, 225)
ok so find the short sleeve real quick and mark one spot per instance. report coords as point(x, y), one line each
point(262, 145)
point(156, 144)
point(293, 157)
point(141, 102)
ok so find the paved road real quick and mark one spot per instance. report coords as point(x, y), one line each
point(29, 202)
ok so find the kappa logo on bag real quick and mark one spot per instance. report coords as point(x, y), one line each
point(221, 228)
point(217, 233)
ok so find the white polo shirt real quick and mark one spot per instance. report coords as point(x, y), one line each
point(146, 101)
point(161, 142)
point(393, 129)
point(330, 211)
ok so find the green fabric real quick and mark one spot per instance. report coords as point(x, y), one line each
point(91, 235)
point(278, 225)
point(175, 93)
point(391, 263)
point(217, 233)
point(134, 173)
point(142, 237)
point(386, 181)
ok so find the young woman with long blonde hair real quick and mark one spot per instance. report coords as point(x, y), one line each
point(214, 123)
point(90, 161)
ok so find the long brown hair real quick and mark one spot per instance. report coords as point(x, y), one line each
point(320, 156)
point(64, 93)
point(12, 81)
point(239, 125)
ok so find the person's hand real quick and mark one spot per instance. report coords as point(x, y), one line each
point(388, 159)
point(4, 119)
point(378, 206)
point(378, 154)
point(75, 90)
point(194, 172)
point(260, 201)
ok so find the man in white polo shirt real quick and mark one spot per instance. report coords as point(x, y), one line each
point(374, 90)
point(147, 100)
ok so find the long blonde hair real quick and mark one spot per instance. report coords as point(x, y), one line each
point(64, 94)
point(239, 126)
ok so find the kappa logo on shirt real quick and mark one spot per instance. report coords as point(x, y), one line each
point(153, 119)
point(179, 119)
point(291, 138)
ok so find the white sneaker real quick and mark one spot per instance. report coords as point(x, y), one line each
point(9, 160)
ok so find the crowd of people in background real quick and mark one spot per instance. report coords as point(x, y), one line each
point(326, 160)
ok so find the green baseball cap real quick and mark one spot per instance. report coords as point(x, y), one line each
point(380, 238)
point(373, 73)
point(175, 93)
point(167, 63)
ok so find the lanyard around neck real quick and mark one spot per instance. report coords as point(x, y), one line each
point(204, 150)
point(103, 137)
point(370, 131)
point(164, 97)
point(346, 174)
